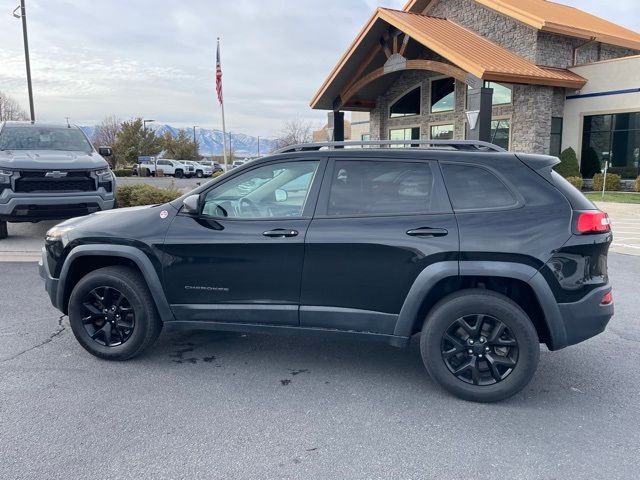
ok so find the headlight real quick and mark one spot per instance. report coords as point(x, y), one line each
point(57, 232)
point(104, 175)
point(5, 176)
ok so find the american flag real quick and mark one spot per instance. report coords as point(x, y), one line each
point(219, 75)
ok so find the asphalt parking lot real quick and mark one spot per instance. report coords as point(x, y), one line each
point(221, 406)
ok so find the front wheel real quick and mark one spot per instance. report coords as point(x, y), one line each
point(4, 231)
point(199, 174)
point(480, 346)
point(112, 313)
point(179, 174)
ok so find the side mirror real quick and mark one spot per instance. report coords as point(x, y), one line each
point(105, 151)
point(281, 195)
point(191, 204)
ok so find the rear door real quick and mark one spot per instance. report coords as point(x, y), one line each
point(379, 223)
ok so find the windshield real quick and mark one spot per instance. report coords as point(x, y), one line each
point(43, 138)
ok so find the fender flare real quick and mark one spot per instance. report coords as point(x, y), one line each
point(122, 251)
point(430, 276)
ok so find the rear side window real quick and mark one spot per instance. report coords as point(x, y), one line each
point(475, 188)
point(577, 200)
point(379, 188)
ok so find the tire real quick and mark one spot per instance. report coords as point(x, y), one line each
point(199, 174)
point(179, 174)
point(489, 309)
point(147, 172)
point(4, 231)
point(146, 324)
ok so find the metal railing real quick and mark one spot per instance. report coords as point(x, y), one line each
point(460, 145)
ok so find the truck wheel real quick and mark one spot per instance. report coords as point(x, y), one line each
point(147, 172)
point(4, 232)
point(112, 314)
point(480, 346)
point(179, 174)
point(199, 174)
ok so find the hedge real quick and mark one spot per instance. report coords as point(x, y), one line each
point(142, 194)
point(613, 182)
point(577, 182)
point(568, 166)
point(590, 163)
point(123, 172)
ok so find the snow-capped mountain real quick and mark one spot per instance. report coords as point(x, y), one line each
point(210, 141)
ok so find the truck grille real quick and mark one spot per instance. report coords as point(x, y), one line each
point(37, 182)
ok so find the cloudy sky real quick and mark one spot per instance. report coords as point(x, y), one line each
point(156, 58)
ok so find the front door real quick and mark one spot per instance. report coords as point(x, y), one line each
point(378, 225)
point(240, 260)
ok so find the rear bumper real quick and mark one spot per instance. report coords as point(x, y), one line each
point(50, 284)
point(587, 318)
point(15, 207)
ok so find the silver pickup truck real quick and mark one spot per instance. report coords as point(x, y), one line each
point(50, 172)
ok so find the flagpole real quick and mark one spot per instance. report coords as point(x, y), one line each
point(224, 126)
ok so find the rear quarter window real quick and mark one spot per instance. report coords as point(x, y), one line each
point(577, 200)
point(476, 188)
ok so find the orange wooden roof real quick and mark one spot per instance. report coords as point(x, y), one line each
point(553, 17)
point(462, 47)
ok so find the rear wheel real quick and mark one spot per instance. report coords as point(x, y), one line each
point(480, 346)
point(179, 174)
point(112, 313)
point(4, 231)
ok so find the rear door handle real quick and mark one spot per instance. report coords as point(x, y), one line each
point(428, 232)
point(280, 233)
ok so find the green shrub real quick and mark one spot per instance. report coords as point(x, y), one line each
point(576, 182)
point(613, 182)
point(123, 172)
point(568, 166)
point(638, 184)
point(142, 194)
point(590, 163)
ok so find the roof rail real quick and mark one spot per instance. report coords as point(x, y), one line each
point(464, 145)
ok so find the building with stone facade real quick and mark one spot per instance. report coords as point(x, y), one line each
point(528, 69)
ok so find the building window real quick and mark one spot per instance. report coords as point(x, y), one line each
point(501, 132)
point(614, 138)
point(556, 136)
point(441, 132)
point(502, 93)
point(404, 134)
point(408, 105)
point(365, 137)
point(443, 98)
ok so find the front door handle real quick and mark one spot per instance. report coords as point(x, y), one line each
point(280, 233)
point(428, 232)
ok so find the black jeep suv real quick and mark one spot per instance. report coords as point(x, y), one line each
point(486, 253)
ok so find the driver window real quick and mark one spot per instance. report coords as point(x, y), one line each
point(276, 190)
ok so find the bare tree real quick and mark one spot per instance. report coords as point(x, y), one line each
point(293, 132)
point(10, 109)
point(105, 134)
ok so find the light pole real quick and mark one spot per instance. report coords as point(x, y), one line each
point(155, 160)
point(23, 16)
point(194, 134)
point(258, 146)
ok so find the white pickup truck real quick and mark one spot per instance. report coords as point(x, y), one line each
point(169, 167)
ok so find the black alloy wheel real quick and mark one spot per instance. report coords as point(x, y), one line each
point(109, 316)
point(479, 349)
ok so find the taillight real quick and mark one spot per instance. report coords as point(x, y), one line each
point(593, 222)
point(607, 299)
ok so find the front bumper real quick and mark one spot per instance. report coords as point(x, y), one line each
point(25, 207)
point(51, 284)
point(587, 318)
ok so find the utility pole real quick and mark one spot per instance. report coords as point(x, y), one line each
point(155, 160)
point(258, 145)
point(23, 16)
point(194, 134)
